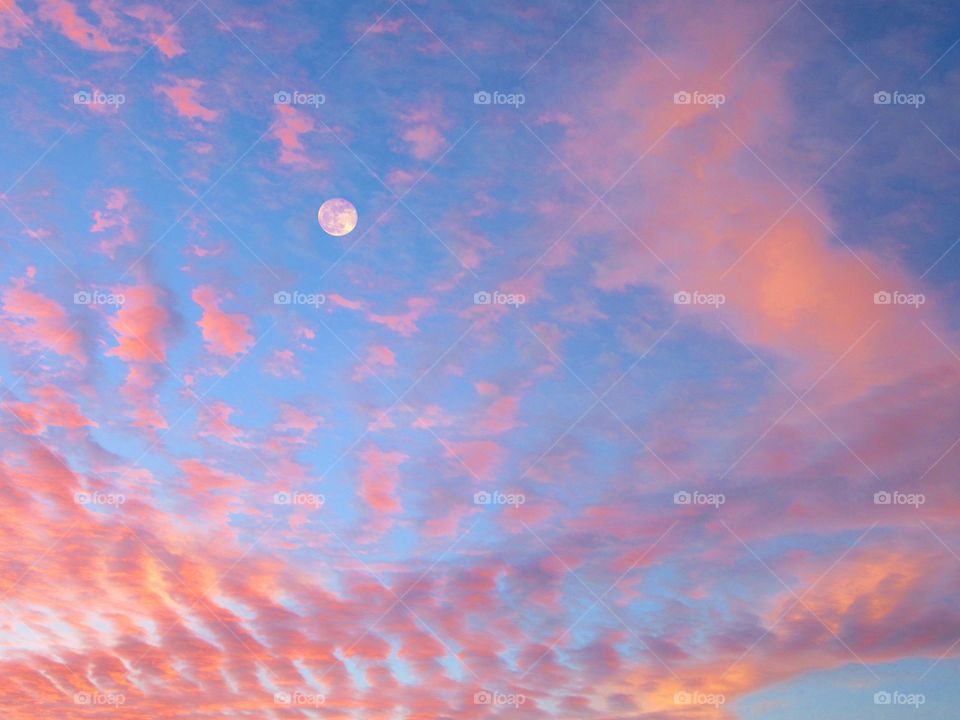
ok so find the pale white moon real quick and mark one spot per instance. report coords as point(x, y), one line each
point(337, 216)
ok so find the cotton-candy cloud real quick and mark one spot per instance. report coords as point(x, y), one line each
point(406, 497)
point(51, 407)
point(142, 325)
point(34, 321)
point(379, 480)
point(405, 323)
point(161, 29)
point(290, 127)
point(14, 25)
point(65, 16)
point(114, 221)
point(423, 132)
point(225, 334)
point(185, 95)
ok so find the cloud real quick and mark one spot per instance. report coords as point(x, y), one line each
point(63, 14)
point(379, 358)
point(215, 422)
point(293, 419)
point(183, 97)
point(406, 323)
point(423, 130)
point(52, 408)
point(114, 221)
point(379, 479)
point(226, 334)
point(141, 325)
point(289, 128)
point(160, 29)
point(14, 25)
point(34, 321)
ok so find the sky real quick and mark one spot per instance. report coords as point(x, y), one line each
point(634, 393)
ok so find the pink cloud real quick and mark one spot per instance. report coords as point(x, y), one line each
point(161, 30)
point(114, 220)
point(405, 324)
point(481, 458)
point(499, 417)
point(14, 25)
point(393, 26)
point(293, 419)
point(341, 301)
point(379, 478)
point(214, 420)
point(378, 357)
point(35, 321)
point(426, 141)
point(139, 390)
point(423, 131)
point(182, 95)
point(282, 363)
point(53, 408)
point(290, 127)
point(63, 14)
point(141, 325)
point(226, 334)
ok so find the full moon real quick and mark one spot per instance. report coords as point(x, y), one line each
point(337, 216)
